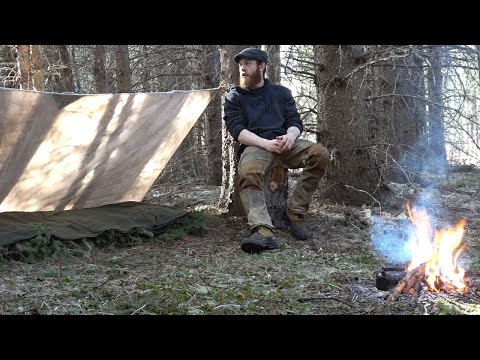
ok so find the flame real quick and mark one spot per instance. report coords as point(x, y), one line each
point(439, 250)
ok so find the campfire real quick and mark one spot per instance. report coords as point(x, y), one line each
point(433, 264)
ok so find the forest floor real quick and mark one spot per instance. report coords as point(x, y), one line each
point(207, 273)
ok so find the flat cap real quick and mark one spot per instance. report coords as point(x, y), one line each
point(252, 53)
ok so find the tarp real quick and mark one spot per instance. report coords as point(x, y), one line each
point(87, 223)
point(71, 151)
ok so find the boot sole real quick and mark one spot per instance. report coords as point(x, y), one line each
point(253, 247)
point(298, 237)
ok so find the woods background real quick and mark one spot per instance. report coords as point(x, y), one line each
point(386, 113)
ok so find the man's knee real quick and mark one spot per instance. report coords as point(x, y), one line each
point(251, 172)
point(319, 156)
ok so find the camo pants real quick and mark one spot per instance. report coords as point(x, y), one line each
point(255, 162)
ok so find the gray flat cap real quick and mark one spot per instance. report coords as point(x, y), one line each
point(252, 53)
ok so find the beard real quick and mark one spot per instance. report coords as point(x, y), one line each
point(252, 81)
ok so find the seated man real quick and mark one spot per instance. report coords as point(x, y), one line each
point(263, 117)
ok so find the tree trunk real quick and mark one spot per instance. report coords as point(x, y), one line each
point(229, 195)
point(38, 71)
point(438, 159)
point(420, 109)
point(124, 81)
point(274, 64)
point(76, 75)
point(213, 121)
point(275, 187)
point(478, 61)
point(24, 66)
point(146, 69)
point(394, 112)
point(99, 69)
point(342, 127)
point(66, 71)
point(8, 72)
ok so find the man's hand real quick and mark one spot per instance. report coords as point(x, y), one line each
point(285, 142)
point(280, 144)
point(273, 145)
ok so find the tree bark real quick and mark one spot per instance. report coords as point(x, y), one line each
point(353, 177)
point(146, 69)
point(438, 159)
point(274, 64)
point(394, 112)
point(420, 110)
point(24, 66)
point(275, 187)
point(124, 81)
point(478, 61)
point(38, 71)
point(229, 195)
point(9, 72)
point(99, 69)
point(66, 71)
point(213, 118)
point(76, 75)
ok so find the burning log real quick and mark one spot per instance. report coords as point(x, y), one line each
point(434, 260)
point(416, 291)
point(411, 283)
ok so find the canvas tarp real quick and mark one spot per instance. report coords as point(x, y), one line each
point(80, 165)
point(70, 151)
point(87, 223)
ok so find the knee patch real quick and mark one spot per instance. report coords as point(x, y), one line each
point(319, 155)
point(249, 168)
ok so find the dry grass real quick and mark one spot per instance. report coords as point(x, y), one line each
point(207, 273)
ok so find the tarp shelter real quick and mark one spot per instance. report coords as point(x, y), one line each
point(62, 151)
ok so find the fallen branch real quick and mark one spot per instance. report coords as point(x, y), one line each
point(325, 298)
point(366, 192)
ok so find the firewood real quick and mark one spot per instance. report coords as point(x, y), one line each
point(393, 296)
point(419, 272)
point(416, 292)
point(412, 282)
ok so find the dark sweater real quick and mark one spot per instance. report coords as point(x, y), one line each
point(267, 111)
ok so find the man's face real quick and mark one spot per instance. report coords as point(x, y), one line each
point(250, 73)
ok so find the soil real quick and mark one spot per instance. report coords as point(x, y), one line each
point(207, 273)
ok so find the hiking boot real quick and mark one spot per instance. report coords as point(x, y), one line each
point(297, 227)
point(262, 239)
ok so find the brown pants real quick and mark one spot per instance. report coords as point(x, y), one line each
point(255, 162)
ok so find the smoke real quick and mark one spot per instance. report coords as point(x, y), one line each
point(394, 238)
point(391, 239)
point(421, 159)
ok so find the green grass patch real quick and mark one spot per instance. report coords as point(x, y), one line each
point(190, 225)
point(44, 245)
point(463, 182)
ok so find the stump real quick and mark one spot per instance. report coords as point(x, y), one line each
point(275, 186)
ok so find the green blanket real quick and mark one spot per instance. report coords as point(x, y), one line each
point(90, 222)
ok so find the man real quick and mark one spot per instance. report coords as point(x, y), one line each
point(263, 118)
